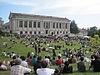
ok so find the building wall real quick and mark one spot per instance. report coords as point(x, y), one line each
point(1, 23)
point(46, 25)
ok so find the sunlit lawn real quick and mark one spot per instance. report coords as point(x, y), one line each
point(21, 49)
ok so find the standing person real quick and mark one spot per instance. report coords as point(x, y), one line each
point(81, 65)
point(36, 48)
point(44, 70)
point(28, 55)
point(54, 53)
point(17, 69)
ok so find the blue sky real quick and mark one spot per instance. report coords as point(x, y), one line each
point(86, 13)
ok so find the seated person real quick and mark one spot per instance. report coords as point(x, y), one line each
point(2, 66)
point(53, 61)
point(59, 61)
point(81, 65)
point(56, 72)
point(95, 64)
point(12, 63)
point(67, 68)
point(23, 62)
point(44, 70)
point(17, 69)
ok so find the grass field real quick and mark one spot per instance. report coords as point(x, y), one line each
point(21, 49)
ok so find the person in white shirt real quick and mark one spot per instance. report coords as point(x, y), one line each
point(23, 62)
point(17, 69)
point(44, 70)
point(3, 67)
point(59, 54)
point(47, 61)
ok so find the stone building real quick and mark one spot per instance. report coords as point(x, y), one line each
point(29, 24)
point(1, 23)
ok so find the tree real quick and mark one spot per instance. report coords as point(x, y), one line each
point(73, 28)
point(92, 31)
point(98, 32)
point(2, 33)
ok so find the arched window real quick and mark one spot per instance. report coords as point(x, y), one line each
point(21, 32)
point(30, 32)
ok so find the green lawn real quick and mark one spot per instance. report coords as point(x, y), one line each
point(21, 49)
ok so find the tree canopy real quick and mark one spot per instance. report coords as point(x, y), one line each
point(73, 28)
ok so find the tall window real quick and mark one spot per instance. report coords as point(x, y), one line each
point(44, 24)
point(53, 25)
point(34, 25)
point(30, 24)
point(25, 23)
point(57, 25)
point(20, 23)
point(38, 24)
point(47, 24)
point(66, 25)
point(60, 25)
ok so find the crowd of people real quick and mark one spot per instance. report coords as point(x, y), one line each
point(42, 66)
point(63, 60)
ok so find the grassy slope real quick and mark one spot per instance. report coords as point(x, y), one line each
point(21, 49)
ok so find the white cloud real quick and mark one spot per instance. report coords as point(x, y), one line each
point(24, 3)
point(75, 6)
point(17, 2)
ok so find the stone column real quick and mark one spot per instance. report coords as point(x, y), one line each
point(68, 27)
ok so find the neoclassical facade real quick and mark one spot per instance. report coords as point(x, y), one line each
point(29, 24)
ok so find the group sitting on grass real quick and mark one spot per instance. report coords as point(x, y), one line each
point(20, 65)
point(42, 66)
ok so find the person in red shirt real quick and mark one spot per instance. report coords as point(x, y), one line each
point(59, 61)
point(29, 61)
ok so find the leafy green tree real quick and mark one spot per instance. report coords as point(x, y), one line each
point(98, 32)
point(92, 31)
point(2, 33)
point(96, 36)
point(73, 28)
